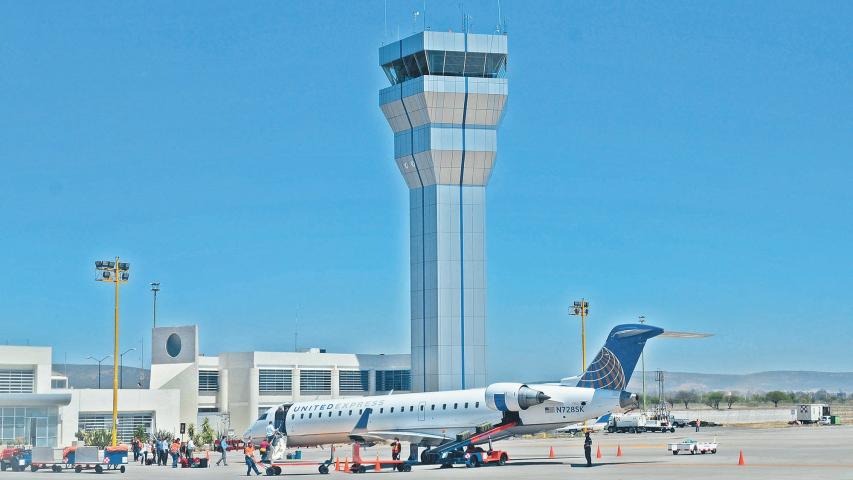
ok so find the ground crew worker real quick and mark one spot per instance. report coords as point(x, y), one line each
point(587, 449)
point(249, 452)
point(175, 450)
point(697, 424)
point(396, 447)
point(223, 447)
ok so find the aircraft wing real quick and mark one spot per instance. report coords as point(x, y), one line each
point(412, 437)
point(361, 433)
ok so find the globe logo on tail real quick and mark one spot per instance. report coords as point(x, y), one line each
point(605, 371)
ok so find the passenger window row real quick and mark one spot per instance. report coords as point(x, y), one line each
point(382, 410)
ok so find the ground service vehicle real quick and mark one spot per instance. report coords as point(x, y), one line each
point(474, 457)
point(15, 459)
point(688, 445)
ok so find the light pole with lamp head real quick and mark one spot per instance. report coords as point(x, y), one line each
point(99, 367)
point(117, 274)
point(121, 366)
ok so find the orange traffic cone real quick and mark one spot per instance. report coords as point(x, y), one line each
point(377, 466)
point(551, 453)
point(598, 453)
point(346, 464)
point(740, 459)
point(619, 450)
point(337, 464)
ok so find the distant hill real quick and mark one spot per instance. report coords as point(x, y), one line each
point(750, 382)
point(86, 376)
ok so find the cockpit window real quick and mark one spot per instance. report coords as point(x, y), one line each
point(262, 417)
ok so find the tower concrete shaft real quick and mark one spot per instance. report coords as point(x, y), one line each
point(444, 105)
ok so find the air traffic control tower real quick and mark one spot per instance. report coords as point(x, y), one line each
point(444, 105)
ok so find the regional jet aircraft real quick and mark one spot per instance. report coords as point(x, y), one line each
point(433, 419)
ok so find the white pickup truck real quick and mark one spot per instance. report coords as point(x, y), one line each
point(688, 445)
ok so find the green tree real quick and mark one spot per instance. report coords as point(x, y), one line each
point(731, 398)
point(686, 397)
point(207, 435)
point(191, 430)
point(713, 399)
point(776, 396)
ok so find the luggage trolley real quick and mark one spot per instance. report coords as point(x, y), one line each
point(44, 457)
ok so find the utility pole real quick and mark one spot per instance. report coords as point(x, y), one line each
point(116, 273)
point(581, 308)
point(643, 360)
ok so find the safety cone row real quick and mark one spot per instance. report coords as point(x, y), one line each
point(551, 453)
point(740, 459)
point(598, 453)
point(378, 465)
point(346, 464)
point(337, 464)
point(619, 450)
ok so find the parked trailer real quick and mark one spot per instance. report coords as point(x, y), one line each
point(44, 457)
point(85, 458)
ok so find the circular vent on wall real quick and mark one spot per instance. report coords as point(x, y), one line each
point(173, 345)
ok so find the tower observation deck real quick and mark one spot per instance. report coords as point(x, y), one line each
point(445, 102)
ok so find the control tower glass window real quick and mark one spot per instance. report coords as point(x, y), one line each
point(447, 63)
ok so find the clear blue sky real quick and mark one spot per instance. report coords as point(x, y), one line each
point(689, 161)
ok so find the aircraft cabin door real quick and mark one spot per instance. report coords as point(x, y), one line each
point(422, 411)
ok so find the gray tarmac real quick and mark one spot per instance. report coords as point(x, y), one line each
point(771, 453)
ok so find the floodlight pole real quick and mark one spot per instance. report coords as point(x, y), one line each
point(581, 308)
point(117, 273)
point(643, 360)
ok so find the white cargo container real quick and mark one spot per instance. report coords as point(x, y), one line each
point(812, 412)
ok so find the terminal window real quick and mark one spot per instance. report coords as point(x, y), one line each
point(275, 380)
point(208, 381)
point(127, 423)
point(397, 380)
point(315, 381)
point(354, 380)
point(16, 380)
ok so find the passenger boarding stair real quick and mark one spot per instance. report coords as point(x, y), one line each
point(495, 433)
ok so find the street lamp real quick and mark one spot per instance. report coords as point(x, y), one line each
point(581, 308)
point(643, 360)
point(121, 366)
point(155, 287)
point(116, 273)
point(99, 367)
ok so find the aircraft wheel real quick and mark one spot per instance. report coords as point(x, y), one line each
point(675, 452)
point(324, 469)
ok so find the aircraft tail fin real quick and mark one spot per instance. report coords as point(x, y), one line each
point(614, 364)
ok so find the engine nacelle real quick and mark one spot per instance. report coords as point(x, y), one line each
point(513, 397)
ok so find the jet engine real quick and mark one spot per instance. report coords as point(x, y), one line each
point(513, 397)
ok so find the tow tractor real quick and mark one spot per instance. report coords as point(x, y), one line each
point(15, 459)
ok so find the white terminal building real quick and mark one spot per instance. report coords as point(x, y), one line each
point(230, 389)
